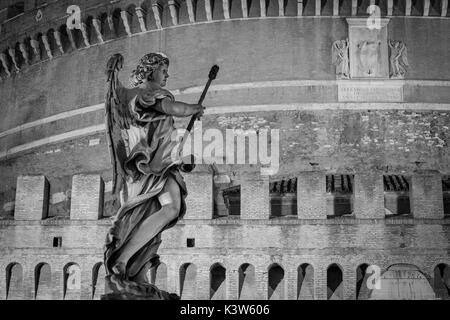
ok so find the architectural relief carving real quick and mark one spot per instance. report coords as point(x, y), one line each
point(368, 55)
point(398, 59)
point(340, 59)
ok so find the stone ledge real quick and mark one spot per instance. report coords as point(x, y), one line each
point(236, 221)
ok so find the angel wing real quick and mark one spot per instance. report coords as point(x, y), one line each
point(117, 119)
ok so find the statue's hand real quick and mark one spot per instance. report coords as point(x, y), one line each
point(201, 110)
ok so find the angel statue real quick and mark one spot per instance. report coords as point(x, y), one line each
point(146, 175)
point(340, 59)
point(398, 59)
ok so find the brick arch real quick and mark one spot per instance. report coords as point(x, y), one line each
point(158, 277)
point(98, 280)
point(335, 282)
point(420, 288)
point(441, 283)
point(72, 281)
point(362, 291)
point(217, 282)
point(14, 281)
point(188, 281)
point(305, 282)
point(247, 282)
point(276, 282)
point(43, 282)
point(420, 266)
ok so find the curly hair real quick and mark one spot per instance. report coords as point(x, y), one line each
point(148, 63)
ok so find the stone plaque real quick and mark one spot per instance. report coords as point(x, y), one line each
point(368, 49)
point(370, 92)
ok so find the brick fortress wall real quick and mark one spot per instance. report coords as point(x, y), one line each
point(55, 195)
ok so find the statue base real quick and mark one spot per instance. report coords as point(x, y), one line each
point(117, 287)
point(130, 296)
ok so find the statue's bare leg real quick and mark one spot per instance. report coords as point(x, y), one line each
point(170, 199)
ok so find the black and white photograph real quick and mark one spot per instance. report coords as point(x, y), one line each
point(225, 154)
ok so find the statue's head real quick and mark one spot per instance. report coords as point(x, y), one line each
point(147, 65)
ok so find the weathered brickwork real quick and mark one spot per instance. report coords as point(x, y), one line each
point(31, 198)
point(55, 196)
point(199, 202)
point(369, 199)
point(87, 197)
point(311, 195)
point(255, 202)
point(427, 197)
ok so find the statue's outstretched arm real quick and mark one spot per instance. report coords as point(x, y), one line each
point(179, 109)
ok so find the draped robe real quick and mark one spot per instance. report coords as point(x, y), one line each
point(148, 166)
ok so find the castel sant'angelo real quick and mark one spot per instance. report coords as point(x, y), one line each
point(356, 107)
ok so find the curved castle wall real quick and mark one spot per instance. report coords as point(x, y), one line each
point(277, 72)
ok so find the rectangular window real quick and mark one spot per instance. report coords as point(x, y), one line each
point(283, 198)
point(340, 196)
point(227, 200)
point(190, 242)
point(57, 242)
point(15, 9)
point(396, 195)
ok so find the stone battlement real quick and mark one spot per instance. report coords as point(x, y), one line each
point(425, 194)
